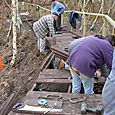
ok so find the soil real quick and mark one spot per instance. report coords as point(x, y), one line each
point(27, 64)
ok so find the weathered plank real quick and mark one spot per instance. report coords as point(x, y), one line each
point(54, 73)
point(62, 42)
point(55, 81)
point(68, 108)
point(9, 102)
point(59, 76)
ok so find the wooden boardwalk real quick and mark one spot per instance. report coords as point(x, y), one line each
point(60, 102)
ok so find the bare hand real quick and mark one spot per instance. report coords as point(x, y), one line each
point(97, 73)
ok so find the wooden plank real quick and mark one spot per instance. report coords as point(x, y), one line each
point(54, 73)
point(59, 75)
point(9, 102)
point(60, 53)
point(90, 97)
point(46, 61)
point(63, 40)
point(54, 81)
point(20, 112)
point(68, 108)
point(13, 113)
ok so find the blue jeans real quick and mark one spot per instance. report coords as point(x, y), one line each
point(108, 93)
point(87, 82)
point(108, 97)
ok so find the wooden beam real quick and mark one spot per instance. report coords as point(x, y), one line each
point(84, 25)
point(104, 31)
point(112, 22)
point(9, 102)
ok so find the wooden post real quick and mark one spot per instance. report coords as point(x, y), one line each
point(27, 8)
point(23, 4)
point(40, 12)
point(113, 31)
point(84, 25)
point(62, 19)
point(104, 31)
point(84, 19)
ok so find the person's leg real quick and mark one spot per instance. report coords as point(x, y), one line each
point(58, 23)
point(108, 98)
point(76, 82)
point(41, 41)
point(41, 44)
point(88, 84)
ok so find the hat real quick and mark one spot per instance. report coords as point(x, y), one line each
point(55, 13)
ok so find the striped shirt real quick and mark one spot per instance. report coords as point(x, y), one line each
point(44, 25)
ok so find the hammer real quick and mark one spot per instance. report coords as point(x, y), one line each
point(85, 109)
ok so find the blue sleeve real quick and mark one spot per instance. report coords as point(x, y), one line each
point(79, 17)
point(61, 9)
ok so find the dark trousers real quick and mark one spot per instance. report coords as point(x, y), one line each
point(57, 24)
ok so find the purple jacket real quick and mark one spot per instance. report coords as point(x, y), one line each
point(90, 55)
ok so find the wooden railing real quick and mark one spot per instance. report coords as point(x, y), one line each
point(108, 24)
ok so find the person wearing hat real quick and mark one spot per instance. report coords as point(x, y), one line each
point(59, 8)
point(42, 27)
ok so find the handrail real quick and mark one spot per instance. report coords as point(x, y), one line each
point(112, 22)
point(109, 19)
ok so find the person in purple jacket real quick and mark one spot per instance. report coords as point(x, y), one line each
point(86, 58)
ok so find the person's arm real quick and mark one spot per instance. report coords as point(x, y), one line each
point(108, 55)
point(61, 10)
point(51, 28)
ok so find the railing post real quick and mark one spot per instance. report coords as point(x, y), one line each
point(40, 12)
point(104, 31)
point(23, 4)
point(84, 25)
point(27, 8)
point(62, 19)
